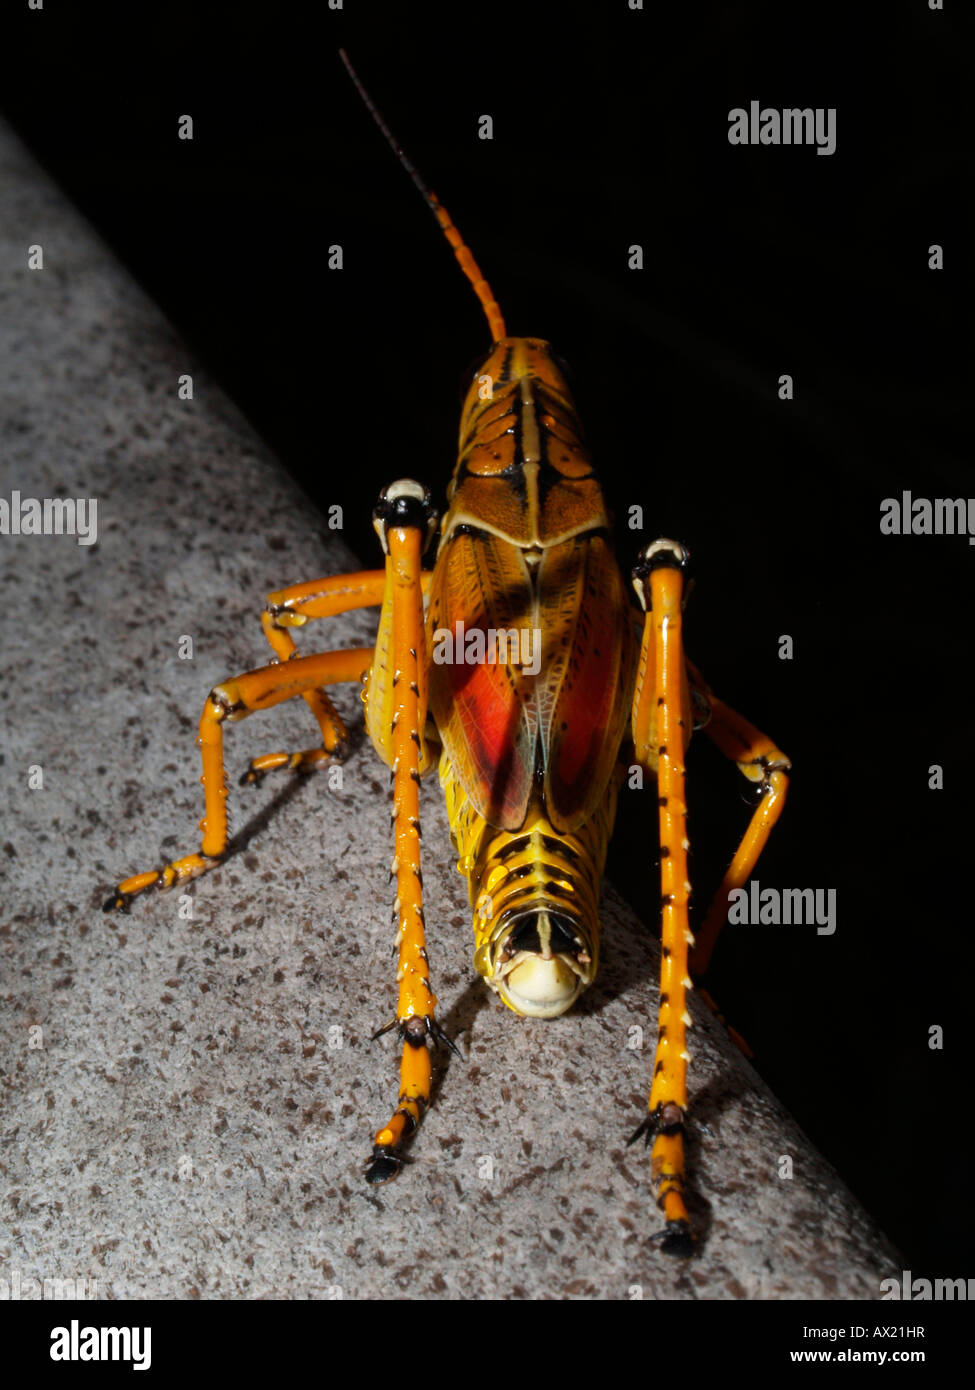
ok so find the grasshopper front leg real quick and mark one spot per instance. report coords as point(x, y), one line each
point(397, 697)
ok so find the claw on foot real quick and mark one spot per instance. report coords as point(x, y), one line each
point(438, 1035)
point(678, 1239)
point(117, 902)
point(647, 1128)
point(383, 1166)
point(421, 1029)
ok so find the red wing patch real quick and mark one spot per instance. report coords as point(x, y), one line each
point(560, 702)
point(587, 676)
point(481, 605)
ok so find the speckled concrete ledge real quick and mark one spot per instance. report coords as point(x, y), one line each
point(189, 1100)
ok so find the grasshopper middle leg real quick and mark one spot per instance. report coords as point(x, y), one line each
point(291, 608)
point(228, 702)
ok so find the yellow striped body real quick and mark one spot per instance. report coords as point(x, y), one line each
point(511, 873)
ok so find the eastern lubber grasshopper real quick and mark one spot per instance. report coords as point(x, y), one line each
point(531, 742)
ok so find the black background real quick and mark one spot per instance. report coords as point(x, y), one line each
point(610, 128)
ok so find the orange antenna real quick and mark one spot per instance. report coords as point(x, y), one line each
point(466, 261)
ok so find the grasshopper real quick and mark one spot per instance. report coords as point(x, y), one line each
point(520, 667)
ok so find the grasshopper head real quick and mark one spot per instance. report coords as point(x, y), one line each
point(542, 963)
